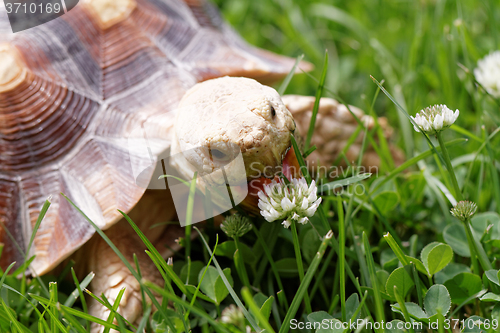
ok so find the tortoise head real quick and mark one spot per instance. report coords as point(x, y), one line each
point(233, 131)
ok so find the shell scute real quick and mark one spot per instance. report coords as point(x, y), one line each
point(86, 89)
point(104, 171)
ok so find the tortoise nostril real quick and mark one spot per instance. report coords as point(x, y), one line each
point(273, 111)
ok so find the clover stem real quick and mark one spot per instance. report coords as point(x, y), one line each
point(472, 248)
point(240, 264)
point(459, 197)
point(458, 193)
point(479, 249)
point(300, 266)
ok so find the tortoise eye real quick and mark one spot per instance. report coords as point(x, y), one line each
point(218, 155)
point(273, 111)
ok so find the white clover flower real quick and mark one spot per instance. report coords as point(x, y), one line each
point(487, 73)
point(434, 119)
point(294, 202)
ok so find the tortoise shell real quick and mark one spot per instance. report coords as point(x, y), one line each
point(74, 91)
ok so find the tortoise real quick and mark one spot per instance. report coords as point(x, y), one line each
point(74, 92)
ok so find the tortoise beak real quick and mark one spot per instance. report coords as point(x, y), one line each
point(290, 168)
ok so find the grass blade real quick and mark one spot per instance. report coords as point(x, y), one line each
point(396, 249)
point(116, 304)
point(202, 277)
point(45, 207)
point(41, 319)
point(145, 318)
point(185, 304)
point(303, 167)
point(281, 294)
point(413, 161)
point(289, 76)
point(305, 283)
point(408, 116)
point(340, 212)
point(67, 310)
point(168, 269)
point(315, 109)
point(247, 296)
point(19, 327)
point(379, 306)
point(343, 182)
point(74, 323)
point(189, 214)
point(53, 317)
point(54, 321)
point(235, 297)
point(78, 291)
point(300, 266)
point(124, 260)
point(465, 132)
point(402, 306)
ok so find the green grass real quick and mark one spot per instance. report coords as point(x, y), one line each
point(405, 257)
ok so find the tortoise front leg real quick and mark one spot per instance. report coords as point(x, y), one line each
point(151, 214)
point(112, 275)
